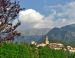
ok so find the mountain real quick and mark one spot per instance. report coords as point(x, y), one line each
point(29, 35)
point(64, 34)
point(28, 39)
point(34, 31)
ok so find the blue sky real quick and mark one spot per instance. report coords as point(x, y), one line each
point(39, 5)
point(47, 13)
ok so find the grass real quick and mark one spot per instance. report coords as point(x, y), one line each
point(11, 50)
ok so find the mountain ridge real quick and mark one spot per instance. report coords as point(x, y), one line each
point(65, 34)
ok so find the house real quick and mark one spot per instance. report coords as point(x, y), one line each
point(42, 44)
point(56, 46)
point(33, 43)
point(71, 49)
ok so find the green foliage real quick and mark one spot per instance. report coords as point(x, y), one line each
point(46, 52)
point(29, 51)
point(13, 51)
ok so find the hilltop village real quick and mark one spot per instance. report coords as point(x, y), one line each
point(56, 46)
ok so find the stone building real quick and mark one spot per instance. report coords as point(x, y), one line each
point(56, 46)
point(46, 42)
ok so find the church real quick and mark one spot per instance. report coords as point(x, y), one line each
point(46, 42)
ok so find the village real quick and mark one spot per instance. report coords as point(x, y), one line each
point(56, 46)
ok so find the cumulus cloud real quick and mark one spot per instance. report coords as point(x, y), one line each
point(68, 14)
point(32, 19)
point(30, 16)
point(61, 15)
point(65, 14)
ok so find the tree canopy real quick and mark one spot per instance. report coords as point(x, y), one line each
point(9, 11)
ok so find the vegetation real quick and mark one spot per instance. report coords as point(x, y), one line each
point(9, 11)
point(29, 51)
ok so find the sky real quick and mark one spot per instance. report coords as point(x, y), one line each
point(46, 13)
point(40, 5)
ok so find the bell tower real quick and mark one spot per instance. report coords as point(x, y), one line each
point(46, 41)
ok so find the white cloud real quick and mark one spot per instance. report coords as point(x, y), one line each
point(69, 12)
point(30, 18)
point(65, 14)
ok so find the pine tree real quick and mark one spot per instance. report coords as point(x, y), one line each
point(9, 11)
